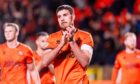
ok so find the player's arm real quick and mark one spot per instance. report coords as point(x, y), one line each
point(83, 54)
point(0, 69)
point(28, 77)
point(114, 75)
point(49, 56)
point(115, 72)
point(34, 73)
point(51, 68)
point(0, 73)
point(0, 76)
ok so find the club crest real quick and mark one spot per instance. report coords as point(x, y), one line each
point(20, 53)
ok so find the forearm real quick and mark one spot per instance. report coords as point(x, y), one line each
point(35, 76)
point(51, 68)
point(114, 75)
point(0, 74)
point(28, 77)
point(49, 57)
point(33, 73)
point(79, 54)
point(39, 66)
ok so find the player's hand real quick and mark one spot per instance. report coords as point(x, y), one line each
point(63, 39)
point(70, 32)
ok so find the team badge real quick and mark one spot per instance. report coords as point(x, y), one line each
point(20, 53)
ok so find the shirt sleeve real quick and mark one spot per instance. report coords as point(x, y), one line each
point(29, 60)
point(1, 58)
point(117, 63)
point(86, 38)
point(51, 42)
point(29, 57)
point(87, 47)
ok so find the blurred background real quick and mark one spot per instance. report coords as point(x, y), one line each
point(106, 20)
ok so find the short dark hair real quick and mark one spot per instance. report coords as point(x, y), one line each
point(67, 7)
point(42, 34)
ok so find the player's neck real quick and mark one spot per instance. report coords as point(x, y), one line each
point(129, 50)
point(39, 52)
point(63, 30)
point(12, 44)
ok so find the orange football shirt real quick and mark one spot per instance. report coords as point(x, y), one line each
point(67, 69)
point(45, 75)
point(130, 67)
point(14, 63)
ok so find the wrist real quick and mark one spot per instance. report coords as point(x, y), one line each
point(61, 45)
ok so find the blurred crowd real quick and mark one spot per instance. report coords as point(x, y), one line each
point(106, 20)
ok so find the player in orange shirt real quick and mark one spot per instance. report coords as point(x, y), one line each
point(0, 70)
point(71, 49)
point(16, 58)
point(46, 74)
point(128, 61)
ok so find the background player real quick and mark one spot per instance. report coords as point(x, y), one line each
point(16, 58)
point(129, 62)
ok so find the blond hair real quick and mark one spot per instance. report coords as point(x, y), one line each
point(11, 24)
point(130, 34)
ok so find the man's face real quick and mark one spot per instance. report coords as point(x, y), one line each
point(42, 42)
point(65, 19)
point(130, 42)
point(10, 33)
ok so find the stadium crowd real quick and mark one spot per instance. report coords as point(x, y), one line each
point(106, 20)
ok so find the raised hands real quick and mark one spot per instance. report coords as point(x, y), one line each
point(70, 31)
point(63, 39)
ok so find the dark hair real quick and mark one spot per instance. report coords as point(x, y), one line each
point(67, 7)
point(42, 34)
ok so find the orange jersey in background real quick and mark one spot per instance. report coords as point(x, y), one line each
point(0, 68)
point(130, 67)
point(14, 63)
point(67, 69)
point(45, 74)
